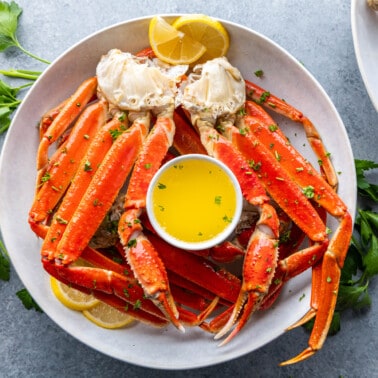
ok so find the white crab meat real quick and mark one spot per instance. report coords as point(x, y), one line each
point(214, 89)
point(138, 84)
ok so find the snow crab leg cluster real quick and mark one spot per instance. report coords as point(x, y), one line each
point(108, 153)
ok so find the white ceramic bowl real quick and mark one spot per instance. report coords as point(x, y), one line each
point(208, 242)
point(163, 348)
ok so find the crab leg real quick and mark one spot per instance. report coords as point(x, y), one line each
point(141, 255)
point(48, 118)
point(134, 294)
point(97, 150)
point(106, 281)
point(333, 261)
point(302, 172)
point(264, 97)
point(277, 182)
point(101, 192)
point(186, 140)
point(66, 116)
point(334, 256)
point(257, 271)
point(197, 270)
point(64, 165)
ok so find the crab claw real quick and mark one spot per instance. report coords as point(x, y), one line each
point(258, 271)
point(151, 274)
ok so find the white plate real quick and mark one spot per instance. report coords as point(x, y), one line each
point(365, 38)
point(161, 348)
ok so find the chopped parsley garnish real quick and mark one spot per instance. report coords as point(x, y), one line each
point(46, 177)
point(227, 219)
point(115, 133)
point(309, 191)
point(87, 166)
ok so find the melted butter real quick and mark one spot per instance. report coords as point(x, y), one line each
point(194, 200)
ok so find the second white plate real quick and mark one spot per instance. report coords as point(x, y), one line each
point(365, 39)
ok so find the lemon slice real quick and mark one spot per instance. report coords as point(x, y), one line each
point(106, 316)
point(173, 46)
point(72, 298)
point(206, 30)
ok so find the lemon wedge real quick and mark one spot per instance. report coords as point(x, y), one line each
point(107, 316)
point(72, 298)
point(206, 30)
point(171, 45)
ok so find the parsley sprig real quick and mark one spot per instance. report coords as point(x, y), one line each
point(9, 15)
point(8, 103)
point(365, 188)
point(27, 300)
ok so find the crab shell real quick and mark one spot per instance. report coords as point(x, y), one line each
point(214, 89)
point(137, 84)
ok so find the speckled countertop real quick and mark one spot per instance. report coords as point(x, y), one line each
point(317, 33)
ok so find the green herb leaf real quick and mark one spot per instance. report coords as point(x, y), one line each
point(308, 191)
point(8, 103)
point(365, 188)
point(334, 327)
point(353, 296)
point(4, 263)
point(21, 74)
point(28, 301)
point(9, 14)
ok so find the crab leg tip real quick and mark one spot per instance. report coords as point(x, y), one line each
point(307, 353)
point(221, 343)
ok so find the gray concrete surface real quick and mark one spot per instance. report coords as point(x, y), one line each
point(316, 32)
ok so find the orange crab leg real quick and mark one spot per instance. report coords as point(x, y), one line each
point(140, 254)
point(132, 310)
point(301, 171)
point(101, 193)
point(188, 298)
point(332, 264)
point(186, 140)
point(66, 116)
point(100, 280)
point(287, 247)
point(197, 270)
point(48, 118)
point(64, 166)
point(179, 281)
point(333, 258)
point(264, 97)
point(278, 183)
point(94, 156)
point(257, 271)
